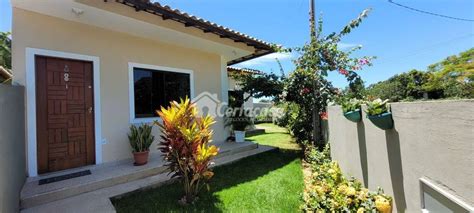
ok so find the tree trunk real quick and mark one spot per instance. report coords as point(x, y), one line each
point(317, 129)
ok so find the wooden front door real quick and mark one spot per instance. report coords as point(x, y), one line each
point(64, 113)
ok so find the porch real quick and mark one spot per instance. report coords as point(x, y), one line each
point(93, 192)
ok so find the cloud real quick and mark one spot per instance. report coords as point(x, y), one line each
point(346, 46)
point(283, 57)
point(266, 59)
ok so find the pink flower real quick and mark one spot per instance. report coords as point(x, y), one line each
point(363, 61)
point(343, 72)
point(356, 68)
point(305, 90)
point(324, 115)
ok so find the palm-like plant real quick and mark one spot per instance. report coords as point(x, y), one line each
point(185, 145)
point(141, 138)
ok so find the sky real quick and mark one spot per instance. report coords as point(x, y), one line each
point(401, 39)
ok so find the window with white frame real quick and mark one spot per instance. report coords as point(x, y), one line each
point(154, 87)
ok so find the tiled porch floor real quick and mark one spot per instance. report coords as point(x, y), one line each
point(111, 179)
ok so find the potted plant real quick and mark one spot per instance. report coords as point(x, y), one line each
point(239, 121)
point(140, 140)
point(378, 112)
point(351, 109)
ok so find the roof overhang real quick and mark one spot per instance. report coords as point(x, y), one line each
point(154, 22)
point(231, 69)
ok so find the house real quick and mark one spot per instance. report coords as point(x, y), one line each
point(93, 68)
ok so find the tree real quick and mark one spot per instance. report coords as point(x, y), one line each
point(452, 77)
point(404, 86)
point(308, 87)
point(259, 85)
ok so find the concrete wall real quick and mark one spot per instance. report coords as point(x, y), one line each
point(12, 146)
point(429, 139)
point(115, 50)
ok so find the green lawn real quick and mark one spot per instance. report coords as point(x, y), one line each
point(268, 182)
point(275, 136)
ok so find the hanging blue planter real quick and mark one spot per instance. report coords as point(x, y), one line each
point(354, 116)
point(383, 121)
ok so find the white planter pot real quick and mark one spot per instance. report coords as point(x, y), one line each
point(239, 136)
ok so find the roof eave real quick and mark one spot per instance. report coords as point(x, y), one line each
point(261, 48)
point(191, 21)
point(250, 57)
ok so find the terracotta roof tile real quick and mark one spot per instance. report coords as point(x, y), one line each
point(246, 70)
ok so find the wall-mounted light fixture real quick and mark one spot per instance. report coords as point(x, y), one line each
point(77, 11)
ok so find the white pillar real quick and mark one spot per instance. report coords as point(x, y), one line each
point(224, 81)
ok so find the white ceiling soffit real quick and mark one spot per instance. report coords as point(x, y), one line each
point(74, 11)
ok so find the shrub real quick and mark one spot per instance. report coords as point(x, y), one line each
point(185, 145)
point(238, 119)
point(140, 138)
point(350, 105)
point(265, 116)
point(329, 191)
point(377, 107)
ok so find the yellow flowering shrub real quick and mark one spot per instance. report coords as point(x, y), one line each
point(329, 191)
point(185, 144)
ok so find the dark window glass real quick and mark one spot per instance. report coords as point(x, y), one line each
point(154, 89)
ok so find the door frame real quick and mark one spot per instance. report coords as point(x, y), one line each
point(31, 102)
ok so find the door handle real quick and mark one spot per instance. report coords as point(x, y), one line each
point(90, 110)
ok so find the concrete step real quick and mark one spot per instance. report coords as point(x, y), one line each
point(100, 200)
point(106, 175)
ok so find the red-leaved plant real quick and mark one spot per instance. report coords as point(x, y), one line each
point(185, 145)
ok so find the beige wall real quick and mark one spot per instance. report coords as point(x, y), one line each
point(430, 139)
point(115, 51)
point(12, 146)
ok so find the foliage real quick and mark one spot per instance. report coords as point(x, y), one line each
point(238, 119)
point(185, 145)
point(454, 76)
point(140, 137)
point(451, 78)
point(314, 156)
point(289, 112)
point(265, 115)
point(259, 85)
point(5, 50)
point(329, 191)
point(295, 119)
point(460, 67)
point(356, 89)
point(350, 105)
point(308, 87)
point(403, 86)
point(377, 107)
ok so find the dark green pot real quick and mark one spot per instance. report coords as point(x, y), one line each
point(354, 116)
point(383, 121)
